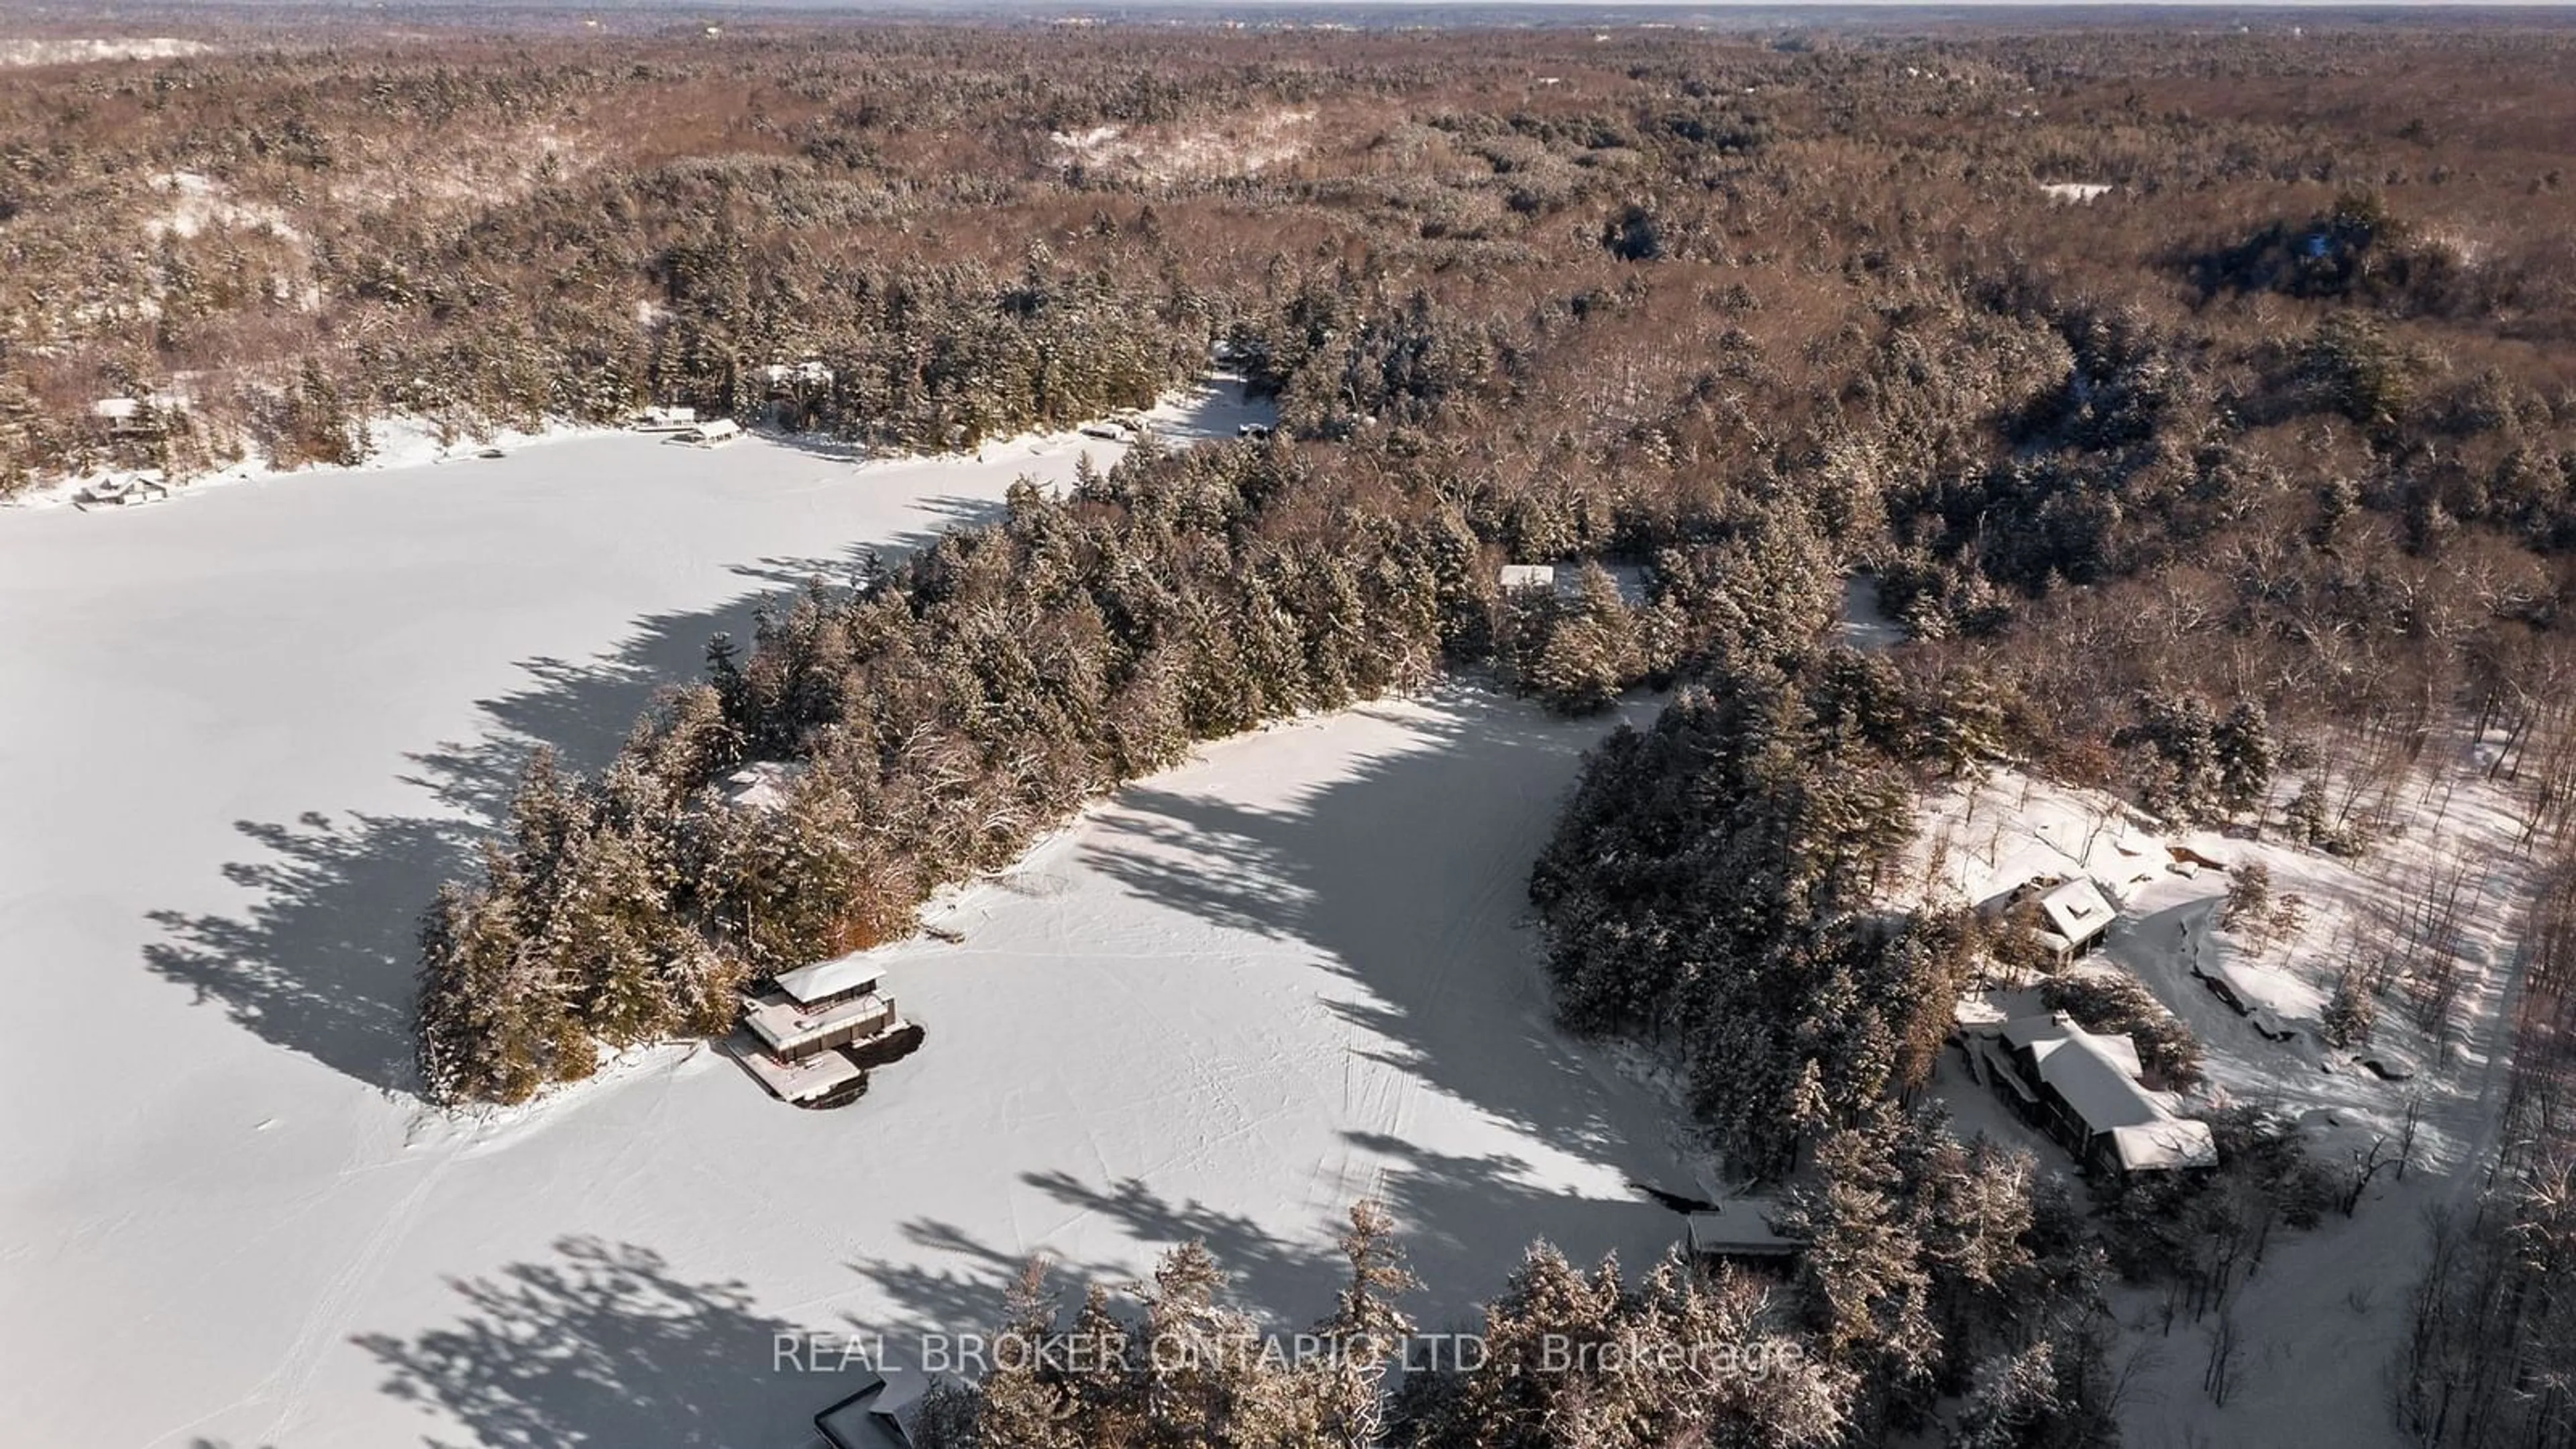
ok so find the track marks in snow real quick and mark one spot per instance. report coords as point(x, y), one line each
point(334, 1312)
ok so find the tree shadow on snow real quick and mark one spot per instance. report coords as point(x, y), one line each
point(321, 962)
point(1435, 980)
point(1268, 1273)
point(604, 1345)
point(956, 1283)
point(1450, 991)
point(1466, 1222)
point(1462, 1222)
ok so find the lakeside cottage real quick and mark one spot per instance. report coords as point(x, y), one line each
point(1739, 1231)
point(805, 1027)
point(147, 415)
point(122, 492)
point(810, 373)
point(2081, 1088)
point(709, 434)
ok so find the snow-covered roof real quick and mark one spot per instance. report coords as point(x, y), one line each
point(2046, 1036)
point(2094, 1078)
point(2096, 1075)
point(1567, 579)
point(2170, 1143)
point(826, 979)
point(801, 1081)
point(126, 409)
point(761, 787)
point(2076, 910)
point(2030, 863)
point(786, 1026)
point(131, 489)
point(809, 371)
point(1737, 1229)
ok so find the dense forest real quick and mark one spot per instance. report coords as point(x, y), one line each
point(2202, 405)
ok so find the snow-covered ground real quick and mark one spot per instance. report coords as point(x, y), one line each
point(2077, 191)
point(243, 735)
point(402, 441)
point(24, 52)
point(2324, 1317)
point(1865, 623)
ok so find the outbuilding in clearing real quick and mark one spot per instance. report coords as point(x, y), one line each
point(1739, 1230)
point(1566, 580)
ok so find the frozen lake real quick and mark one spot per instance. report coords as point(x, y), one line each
point(242, 737)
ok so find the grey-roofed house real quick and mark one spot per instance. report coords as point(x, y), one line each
point(2082, 1089)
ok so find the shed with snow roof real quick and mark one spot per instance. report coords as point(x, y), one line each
point(1566, 580)
point(1740, 1230)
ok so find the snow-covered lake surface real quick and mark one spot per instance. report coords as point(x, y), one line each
point(245, 733)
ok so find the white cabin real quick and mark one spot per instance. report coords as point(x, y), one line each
point(123, 492)
point(709, 434)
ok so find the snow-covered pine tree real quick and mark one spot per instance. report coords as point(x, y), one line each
point(1364, 1333)
point(2247, 755)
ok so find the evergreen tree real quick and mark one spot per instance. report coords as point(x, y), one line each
point(2013, 1404)
point(1364, 1332)
point(2246, 756)
point(1966, 728)
point(487, 1011)
point(1864, 1267)
point(1022, 1400)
